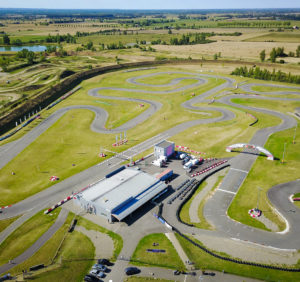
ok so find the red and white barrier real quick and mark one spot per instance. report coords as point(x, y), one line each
point(208, 168)
point(254, 213)
point(187, 149)
point(5, 207)
point(58, 204)
point(122, 142)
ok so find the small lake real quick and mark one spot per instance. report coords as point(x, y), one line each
point(34, 48)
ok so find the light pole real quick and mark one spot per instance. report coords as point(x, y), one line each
point(283, 153)
point(295, 134)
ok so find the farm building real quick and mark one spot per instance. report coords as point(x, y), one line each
point(164, 149)
point(120, 193)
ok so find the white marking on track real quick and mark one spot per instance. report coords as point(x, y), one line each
point(239, 170)
point(226, 191)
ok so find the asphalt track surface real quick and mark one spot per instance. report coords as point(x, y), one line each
point(215, 209)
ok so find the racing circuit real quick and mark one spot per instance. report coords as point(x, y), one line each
point(215, 210)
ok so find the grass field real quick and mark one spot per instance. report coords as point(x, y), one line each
point(24, 236)
point(169, 259)
point(76, 256)
point(46, 254)
point(276, 37)
point(205, 261)
point(273, 89)
point(6, 222)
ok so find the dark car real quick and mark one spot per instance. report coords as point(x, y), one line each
point(104, 261)
point(176, 272)
point(131, 270)
point(91, 278)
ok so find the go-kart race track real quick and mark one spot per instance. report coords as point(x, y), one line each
point(216, 208)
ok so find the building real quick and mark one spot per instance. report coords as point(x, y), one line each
point(120, 193)
point(164, 149)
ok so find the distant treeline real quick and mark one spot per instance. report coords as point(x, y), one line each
point(255, 24)
point(264, 74)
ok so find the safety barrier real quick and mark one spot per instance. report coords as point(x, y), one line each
point(208, 168)
point(187, 149)
point(254, 117)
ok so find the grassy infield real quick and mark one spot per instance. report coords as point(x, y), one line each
point(67, 255)
point(61, 149)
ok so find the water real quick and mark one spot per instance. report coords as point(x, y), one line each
point(34, 48)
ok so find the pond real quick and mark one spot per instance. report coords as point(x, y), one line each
point(34, 48)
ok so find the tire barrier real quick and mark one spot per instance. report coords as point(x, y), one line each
point(192, 193)
point(234, 260)
point(209, 168)
point(160, 218)
point(254, 213)
point(58, 204)
point(5, 207)
point(184, 188)
point(19, 128)
point(187, 149)
point(37, 267)
point(254, 117)
point(122, 142)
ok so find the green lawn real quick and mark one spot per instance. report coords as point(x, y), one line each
point(6, 222)
point(205, 261)
point(24, 236)
point(169, 259)
point(76, 256)
point(47, 252)
point(273, 89)
point(117, 239)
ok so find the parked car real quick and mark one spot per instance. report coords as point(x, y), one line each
point(101, 274)
point(104, 261)
point(100, 267)
point(131, 270)
point(91, 278)
point(176, 272)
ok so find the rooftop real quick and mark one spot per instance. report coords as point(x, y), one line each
point(164, 144)
point(123, 190)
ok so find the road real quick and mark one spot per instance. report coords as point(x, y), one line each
point(240, 166)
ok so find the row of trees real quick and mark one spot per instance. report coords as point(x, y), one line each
point(264, 74)
point(278, 52)
point(200, 38)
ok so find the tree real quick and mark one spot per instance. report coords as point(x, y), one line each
point(169, 31)
point(262, 55)
point(298, 51)
point(4, 62)
point(6, 39)
point(30, 57)
point(215, 56)
point(89, 45)
point(273, 55)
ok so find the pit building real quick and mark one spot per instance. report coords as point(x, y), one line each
point(120, 193)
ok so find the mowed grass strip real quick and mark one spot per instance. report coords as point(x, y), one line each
point(24, 236)
point(169, 259)
point(4, 223)
point(297, 203)
point(47, 252)
point(74, 260)
point(205, 261)
point(117, 239)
